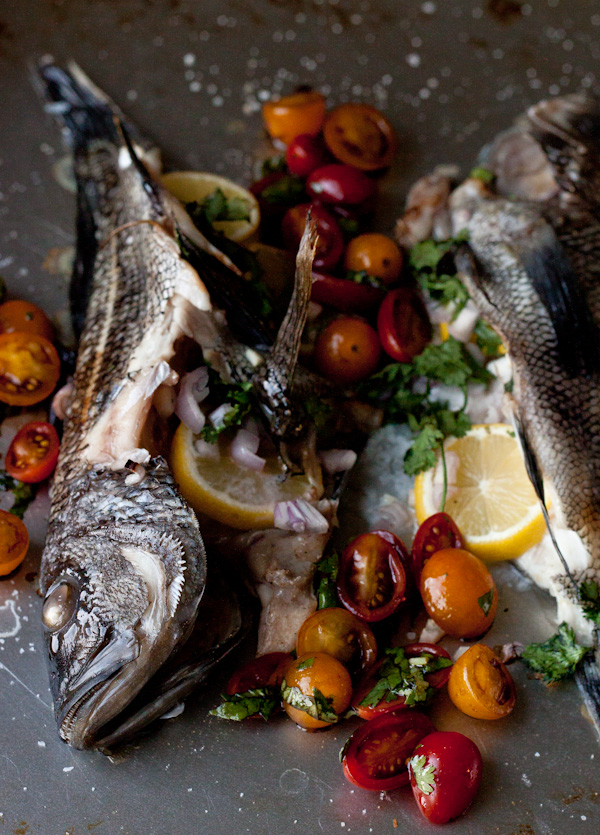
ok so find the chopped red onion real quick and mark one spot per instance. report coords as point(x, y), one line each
point(206, 450)
point(299, 516)
point(337, 460)
point(243, 450)
point(193, 390)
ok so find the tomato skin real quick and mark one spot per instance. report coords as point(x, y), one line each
point(19, 315)
point(340, 634)
point(326, 674)
point(347, 351)
point(337, 183)
point(371, 577)
point(457, 767)
point(14, 542)
point(305, 153)
point(359, 135)
point(33, 452)
point(376, 254)
point(29, 368)
point(459, 593)
point(403, 324)
point(262, 671)
point(435, 533)
point(436, 680)
point(480, 685)
point(382, 746)
point(330, 243)
point(344, 295)
point(288, 117)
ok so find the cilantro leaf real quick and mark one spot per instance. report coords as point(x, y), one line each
point(424, 774)
point(422, 455)
point(485, 602)
point(216, 206)
point(318, 706)
point(402, 676)
point(363, 277)
point(589, 592)
point(325, 581)
point(306, 664)
point(556, 658)
point(239, 398)
point(262, 701)
point(484, 174)
point(272, 165)
point(287, 190)
point(24, 493)
point(488, 340)
point(450, 363)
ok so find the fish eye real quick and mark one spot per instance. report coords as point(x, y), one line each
point(60, 604)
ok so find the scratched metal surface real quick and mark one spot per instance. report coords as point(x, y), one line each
point(192, 74)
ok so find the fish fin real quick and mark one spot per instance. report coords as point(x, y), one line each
point(568, 129)
point(587, 676)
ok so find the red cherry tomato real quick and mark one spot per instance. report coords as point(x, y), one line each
point(445, 772)
point(403, 324)
point(358, 134)
point(347, 351)
point(375, 756)
point(263, 671)
point(344, 295)
point(330, 243)
point(305, 153)
point(340, 184)
point(436, 680)
point(33, 453)
point(372, 578)
point(435, 533)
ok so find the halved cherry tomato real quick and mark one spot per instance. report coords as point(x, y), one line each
point(19, 315)
point(336, 183)
point(445, 772)
point(347, 351)
point(305, 153)
point(312, 681)
point(372, 578)
point(14, 542)
point(330, 242)
point(33, 452)
point(340, 634)
point(358, 134)
point(364, 687)
point(376, 754)
point(434, 534)
point(263, 671)
point(376, 254)
point(459, 593)
point(288, 117)
point(29, 368)
point(403, 324)
point(480, 685)
point(344, 295)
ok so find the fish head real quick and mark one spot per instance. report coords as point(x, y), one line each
point(112, 614)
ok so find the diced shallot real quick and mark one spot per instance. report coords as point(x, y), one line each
point(217, 418)
point(243, 450)
point(337, 460)
point(193, 390)
point(464, 324)
point(299, 516)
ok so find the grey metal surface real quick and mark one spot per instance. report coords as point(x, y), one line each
point(449, 75)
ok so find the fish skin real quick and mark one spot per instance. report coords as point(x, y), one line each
point(124, 547)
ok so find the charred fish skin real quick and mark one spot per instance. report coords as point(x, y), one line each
point(124, 567)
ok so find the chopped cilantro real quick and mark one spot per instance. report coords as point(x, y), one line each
point(430, 262)
point(287, 190)
point(237, 395)
point(450, 363)
point(318, 410)
point(24, 493)
point(325, 581)
point(488, 340)
point(349, 226)
point(485, 602)
point(424, 774)
point(218, 207)
point(484, 174)
point(363, 277)
point(272, 165)
point(262, 701)
point(556, 658)
point(318, 706)
point(589, 592)
point(306, 664)
point(400, 676)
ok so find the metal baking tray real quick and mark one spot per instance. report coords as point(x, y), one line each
point(450, 75)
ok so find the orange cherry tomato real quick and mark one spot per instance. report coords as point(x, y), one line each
point(376, 254)
point(33, 452)
point(359, 135)
point(480, 685)
point(347, 351)
point(459, 593)
point(316, 690)
point(14, 542)
point(290, 116)
point(339, 633)
point(29, 368)
point(24, 316)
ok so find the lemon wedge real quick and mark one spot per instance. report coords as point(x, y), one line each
point(490, 496)
point(189, 186)
point(217, 486)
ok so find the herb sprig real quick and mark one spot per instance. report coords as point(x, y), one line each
point(402, 676)
point(236, 395)
point(24, 493)
point(557, 658)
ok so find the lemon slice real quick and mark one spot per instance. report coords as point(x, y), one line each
point(490, 496)
point(234, 495)
point(189, 186)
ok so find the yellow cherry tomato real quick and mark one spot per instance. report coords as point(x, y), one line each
point(316, 690)
point(480, 685)
point(376, 254)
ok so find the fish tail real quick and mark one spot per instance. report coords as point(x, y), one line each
point(568, 129)
point(587, 677)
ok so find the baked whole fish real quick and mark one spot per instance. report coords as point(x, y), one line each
point(532, 266)
point(124, 567)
